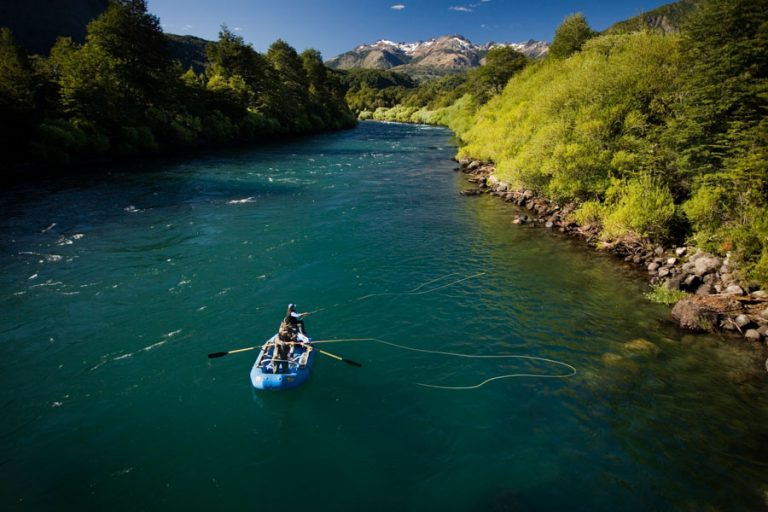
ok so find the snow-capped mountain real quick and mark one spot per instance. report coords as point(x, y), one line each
point(449, 53)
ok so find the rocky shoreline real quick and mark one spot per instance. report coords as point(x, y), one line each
point(716, 300)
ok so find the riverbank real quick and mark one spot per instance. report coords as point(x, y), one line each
point(710, 296)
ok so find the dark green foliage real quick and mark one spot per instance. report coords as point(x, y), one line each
point(501, 64)
point(666, 19)
point(721, 130)
point(120, 94)
point(369, 89)
point(570, 36)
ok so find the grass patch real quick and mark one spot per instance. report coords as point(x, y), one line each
point(660, 294)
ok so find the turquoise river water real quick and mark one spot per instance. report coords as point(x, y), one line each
point(114, 289)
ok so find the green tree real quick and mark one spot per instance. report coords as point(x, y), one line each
point(133, 38)
point(230, 56)
point(501, 63)
point(570, 36)
point(18, 110)
point(288, 98)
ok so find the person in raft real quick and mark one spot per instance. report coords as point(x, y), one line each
point(291, 331)
point(294, 324)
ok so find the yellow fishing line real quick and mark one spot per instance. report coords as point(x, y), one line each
point(469, 356)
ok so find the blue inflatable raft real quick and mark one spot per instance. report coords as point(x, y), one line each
point(264, 372)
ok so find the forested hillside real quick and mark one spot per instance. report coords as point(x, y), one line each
point(659, 136)
point(120, 93)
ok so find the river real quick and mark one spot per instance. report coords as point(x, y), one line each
point(114, 288)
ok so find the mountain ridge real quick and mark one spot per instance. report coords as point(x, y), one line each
point(442, 54)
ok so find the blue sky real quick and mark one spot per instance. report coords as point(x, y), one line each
point(334, 26)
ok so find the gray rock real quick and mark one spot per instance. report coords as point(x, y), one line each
point(764, 313)
point(691, 281)
point(674, 283)
point(693, 316)
point(706, 265)
point(742, 321)
point(671, 261)
point(752, 334)
point(760, 294)
point(734, 289)
point(663, 272)
point(474, 165)
point(680, 251)
point(653, 267)
point(659, 251)
point(763, 330)
point(704, 289)
point(549, 224)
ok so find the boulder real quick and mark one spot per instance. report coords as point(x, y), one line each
point(764, 314)
point(694, 316)
point(471, 192)
point(760, 294)
point(549, 224)
point(706, 265)
point(734, 289)
point(671, 261)
point(653, 267)
point(752, 335)
point(704, 289)
point(474, 165)
point(663, 272)
point(680, 251)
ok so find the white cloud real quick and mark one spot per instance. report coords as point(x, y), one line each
point(187, 26)
point(398, 7)
point(460, 8)
point(237, 29)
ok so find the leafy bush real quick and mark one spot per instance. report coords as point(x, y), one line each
point(641, 206)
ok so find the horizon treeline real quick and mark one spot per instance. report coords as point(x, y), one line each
point(658, 136)
point(120, 94)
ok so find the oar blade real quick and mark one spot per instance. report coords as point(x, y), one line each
point(353, 363)
point(217, 354)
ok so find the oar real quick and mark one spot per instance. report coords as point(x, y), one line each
point(348, 361)
point(222, 354)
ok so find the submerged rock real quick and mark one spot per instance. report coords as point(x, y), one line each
point(642, 346)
